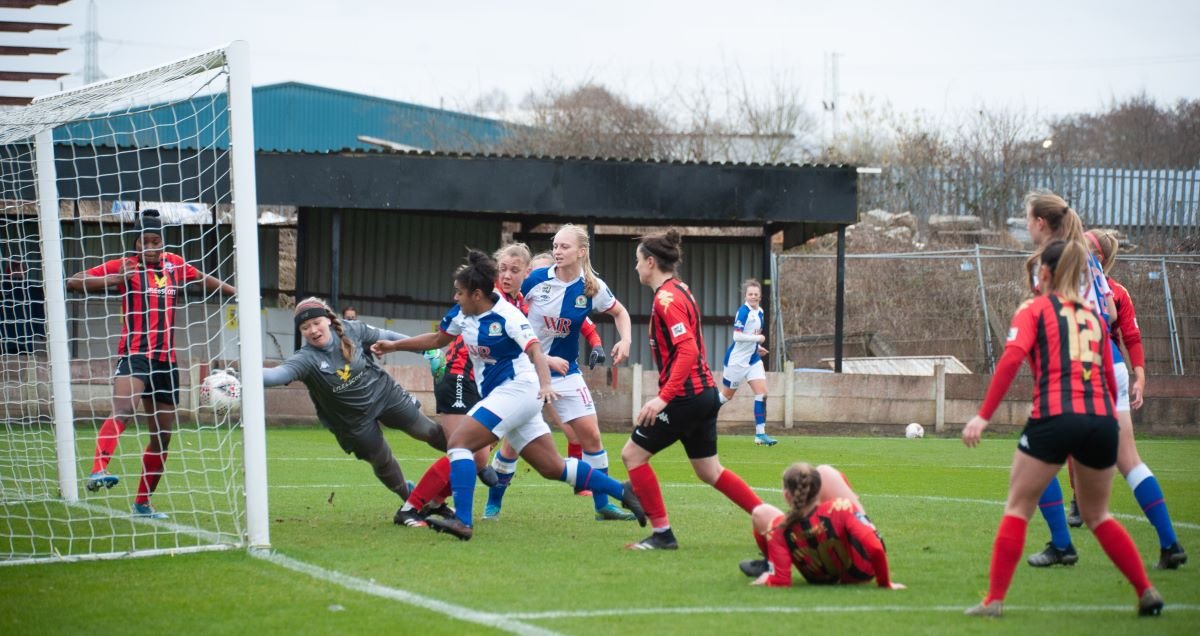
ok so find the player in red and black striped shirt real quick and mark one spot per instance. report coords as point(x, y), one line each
point(149, 281)
point(826, 534)
point(1068, 349)
point(685, 409)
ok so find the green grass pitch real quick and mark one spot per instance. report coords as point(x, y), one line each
point(547, 567)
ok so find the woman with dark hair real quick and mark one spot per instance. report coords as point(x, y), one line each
point(149, 281)
point(514, 383)
point(1067, 346)
point(685, 409)
point(825, 534)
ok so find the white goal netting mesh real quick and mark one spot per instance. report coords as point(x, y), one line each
point(158, 140)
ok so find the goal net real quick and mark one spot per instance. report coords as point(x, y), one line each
point(105, 447)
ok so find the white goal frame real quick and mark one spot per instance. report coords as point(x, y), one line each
point(65, 107)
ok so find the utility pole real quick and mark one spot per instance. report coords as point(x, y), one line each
point(831, 98)
point(91, 48)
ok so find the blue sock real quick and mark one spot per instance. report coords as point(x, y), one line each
point(1051, 505)
point(582, 477)
point(505, 468)
point(462, 482)
point(1149, 496)
point(760, 414)
point(597, 462)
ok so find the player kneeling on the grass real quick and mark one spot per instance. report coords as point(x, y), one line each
point(685, 409)
point(1068, 351)
point(352, 395)
point(514, 382)
point(825, 534)
point(149, 281)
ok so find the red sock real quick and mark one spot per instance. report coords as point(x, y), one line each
point(106, 443)
point(645, 486)
point(1006, 553)
point(738, 492)
point(152, 470)
point(761, 540)
point(574, 450)
point(433, 482)
point(1120, 549)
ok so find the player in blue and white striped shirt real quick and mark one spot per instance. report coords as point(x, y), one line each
point(514, 382)
point(559, 299)
point(743, 359)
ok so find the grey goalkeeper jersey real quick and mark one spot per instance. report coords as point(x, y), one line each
point(347, 394)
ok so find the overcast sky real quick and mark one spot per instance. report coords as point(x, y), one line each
point(939, 57)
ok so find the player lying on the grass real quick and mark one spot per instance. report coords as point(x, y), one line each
point(825, 533)
point(515, 264)
point(1142, 482)
point(514, 382)
point(354, 398)
point(686, 406)
point(743, 359)
point(149, 281)
point(1066, 344)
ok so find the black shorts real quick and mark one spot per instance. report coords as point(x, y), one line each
point(691, 420)
point(455, 394)
point(160, 379)
point(1091, 439)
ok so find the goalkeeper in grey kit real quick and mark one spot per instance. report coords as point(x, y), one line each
point(353, 396)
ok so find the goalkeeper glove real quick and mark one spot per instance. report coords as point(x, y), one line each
point(595, 357)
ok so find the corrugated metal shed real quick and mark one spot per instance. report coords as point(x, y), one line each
point(292, 117)
point(393, 265)
point(713, 268)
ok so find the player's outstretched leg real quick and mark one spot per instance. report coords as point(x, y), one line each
point(462, 484)
point(1149, 496)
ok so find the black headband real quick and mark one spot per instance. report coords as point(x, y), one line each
point(309, 314)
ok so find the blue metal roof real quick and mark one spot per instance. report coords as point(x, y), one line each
point(292, 117)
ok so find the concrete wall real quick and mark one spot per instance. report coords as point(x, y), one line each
point(821, 402)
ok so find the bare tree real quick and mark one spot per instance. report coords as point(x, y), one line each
point(590, 121)
point(1134, 132)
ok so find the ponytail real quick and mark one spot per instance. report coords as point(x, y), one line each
point(1068, 263)
point(803, 482)
point(591, 282)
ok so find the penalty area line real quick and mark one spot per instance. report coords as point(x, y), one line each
point(822, 609)
point(498, 621)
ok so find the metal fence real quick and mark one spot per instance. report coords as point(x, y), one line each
point(960, 303)
point(1138, 201)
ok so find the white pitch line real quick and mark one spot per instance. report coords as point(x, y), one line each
point(967, 500)
point(499, 621)
point(822, 609)
point(458, 612)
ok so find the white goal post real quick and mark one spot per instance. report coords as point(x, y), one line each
point(81, 477)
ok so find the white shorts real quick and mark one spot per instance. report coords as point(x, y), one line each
point(574, 399)
point(512, 411)
point(735, 374)
point(1121, 373)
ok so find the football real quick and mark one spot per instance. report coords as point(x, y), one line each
point(914, 431)
point(222, 392)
